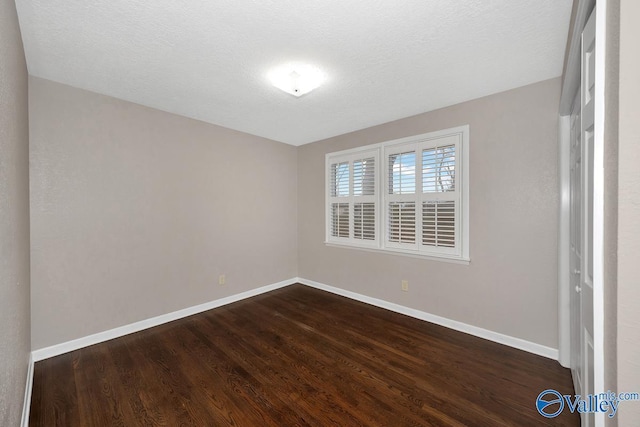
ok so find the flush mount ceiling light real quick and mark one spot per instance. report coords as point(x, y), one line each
point(296, 79)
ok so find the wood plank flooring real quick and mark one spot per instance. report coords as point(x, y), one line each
point(296, 356)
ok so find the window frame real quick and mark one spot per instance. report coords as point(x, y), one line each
point(381, 152)
point(351, 156)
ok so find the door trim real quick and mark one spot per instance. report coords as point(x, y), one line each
point(598, 203)
point(564, 242)
point(571, 81)
point(572, 75)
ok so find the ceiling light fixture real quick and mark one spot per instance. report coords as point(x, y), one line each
point(296, 79)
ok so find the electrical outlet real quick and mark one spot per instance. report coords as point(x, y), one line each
point(405, 285)
point(222, 280)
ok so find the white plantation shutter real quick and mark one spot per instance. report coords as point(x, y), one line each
point(402, 222)
point(340, 179)
point(439, 169)
point(340, 219)
point(422, 197)
point(439, 224)
point(353, 199)
point(401, 197)
point(364, 221)
point(339, 207)
point(409, 195)
point(364, 177)
point(364, 191)
point(439, 196)
point(402, 174)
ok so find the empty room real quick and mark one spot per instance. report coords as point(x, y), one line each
point(319, 213)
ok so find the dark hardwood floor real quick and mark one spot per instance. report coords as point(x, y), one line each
point(296, 357)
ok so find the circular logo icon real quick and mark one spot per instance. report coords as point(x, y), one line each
point(547, 401)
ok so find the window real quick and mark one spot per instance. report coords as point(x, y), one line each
point(406, 196)
point(353, 192)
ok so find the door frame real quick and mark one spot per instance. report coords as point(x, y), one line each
point(570, 85)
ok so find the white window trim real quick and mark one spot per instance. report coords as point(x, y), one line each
point(380, 150)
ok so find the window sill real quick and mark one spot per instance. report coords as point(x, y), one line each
point(442, 258)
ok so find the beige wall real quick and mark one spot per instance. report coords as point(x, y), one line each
point(622, 209)
point(14, 219)
point(510, 286)
point(628, 357)
point(135, 212)
point(611, 201)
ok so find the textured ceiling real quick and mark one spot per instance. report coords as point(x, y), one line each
point(209, 60)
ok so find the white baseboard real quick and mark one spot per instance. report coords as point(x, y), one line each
point(518, 343)
point(55, 350)
point(26, 405)
point(65, 347)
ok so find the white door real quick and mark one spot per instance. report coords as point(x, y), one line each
point(576, 228)
point(582, 208)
